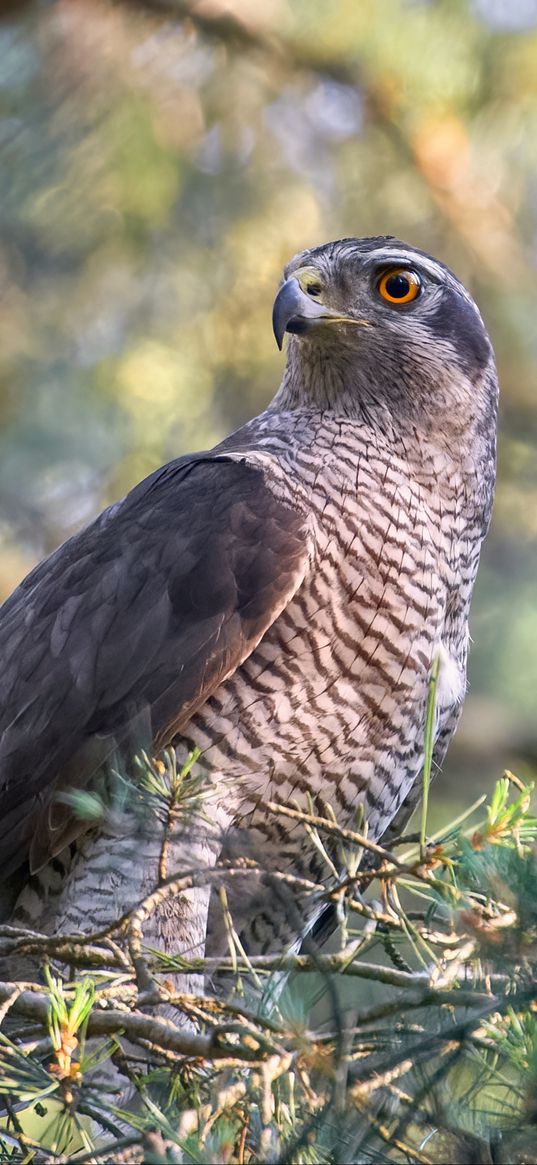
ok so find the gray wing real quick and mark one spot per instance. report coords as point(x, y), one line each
point(138, 617)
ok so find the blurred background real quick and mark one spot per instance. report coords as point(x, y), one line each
point(160, 161)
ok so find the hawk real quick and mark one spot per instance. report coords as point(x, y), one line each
point(276, 603)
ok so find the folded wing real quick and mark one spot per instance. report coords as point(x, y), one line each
point(135, 620)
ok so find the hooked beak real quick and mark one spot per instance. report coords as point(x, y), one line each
point(295, 311)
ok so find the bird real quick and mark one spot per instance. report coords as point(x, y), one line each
point(272, 609)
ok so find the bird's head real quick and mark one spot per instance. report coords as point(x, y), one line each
point(376, 323)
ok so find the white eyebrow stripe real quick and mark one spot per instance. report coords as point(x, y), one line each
point(408, 258)
point(412, 259)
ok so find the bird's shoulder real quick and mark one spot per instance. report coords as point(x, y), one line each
point(231, 496)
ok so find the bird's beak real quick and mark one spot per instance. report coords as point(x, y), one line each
point(295, 311)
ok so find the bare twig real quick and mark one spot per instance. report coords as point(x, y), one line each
point(160, 1033)
point(323, 823)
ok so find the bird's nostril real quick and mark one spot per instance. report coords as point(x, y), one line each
point(309, 282)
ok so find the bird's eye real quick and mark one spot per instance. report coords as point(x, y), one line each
point(399, 286)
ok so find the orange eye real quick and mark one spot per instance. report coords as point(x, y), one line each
point(399, 286)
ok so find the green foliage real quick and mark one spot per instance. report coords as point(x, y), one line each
point(413, 1039)
point(67, 1021)
point(429, 739)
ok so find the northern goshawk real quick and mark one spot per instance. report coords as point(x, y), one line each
point(277, 603)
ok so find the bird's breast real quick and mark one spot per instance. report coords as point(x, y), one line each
point(333, 699)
